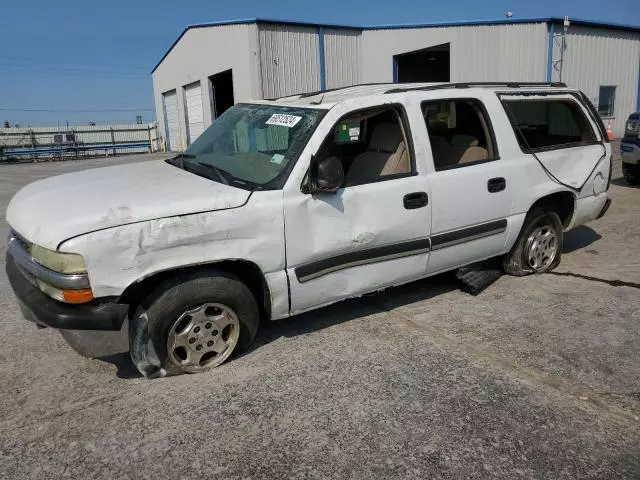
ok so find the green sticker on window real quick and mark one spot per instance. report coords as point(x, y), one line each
point(347, 132)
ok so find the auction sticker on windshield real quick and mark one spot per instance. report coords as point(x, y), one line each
point(283, 120)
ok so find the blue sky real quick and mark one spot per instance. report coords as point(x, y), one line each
point(90, 61)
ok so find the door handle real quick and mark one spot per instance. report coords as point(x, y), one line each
point(496, 184)
point(415, 200)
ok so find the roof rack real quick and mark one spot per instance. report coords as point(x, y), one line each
point(478, 84)
point(319, 92)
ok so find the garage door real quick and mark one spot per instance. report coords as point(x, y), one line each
point(170, 103)
point(195, 117)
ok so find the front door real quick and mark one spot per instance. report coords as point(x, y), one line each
point(470, 185)
point(373, 232)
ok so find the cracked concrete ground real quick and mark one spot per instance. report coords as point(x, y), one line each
point(537, 377)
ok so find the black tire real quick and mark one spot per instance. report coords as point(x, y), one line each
point(516, 262)
point(156, 314)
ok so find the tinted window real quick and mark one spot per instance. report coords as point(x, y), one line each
point(459, 133)
point(546, 124)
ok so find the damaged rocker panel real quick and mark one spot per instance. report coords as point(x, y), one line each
point(316, 269)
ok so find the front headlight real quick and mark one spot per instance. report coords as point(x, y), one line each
point(58, 261)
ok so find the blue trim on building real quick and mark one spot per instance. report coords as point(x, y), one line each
point(252, 139)
point(462, 23)
point(638, 97)
point(549, 20)
point(551, 29)
point(323, 75)
point(395, 69)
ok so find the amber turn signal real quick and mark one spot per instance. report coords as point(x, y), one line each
point(77, 296)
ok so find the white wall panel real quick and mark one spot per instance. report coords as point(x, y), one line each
point(289, 59)
point(602, 57)
point(342, 57)
point(516, 52)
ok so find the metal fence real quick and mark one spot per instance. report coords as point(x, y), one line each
point(78, 141)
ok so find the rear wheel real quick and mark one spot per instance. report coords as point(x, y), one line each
point(192, 323)
point(539, 246)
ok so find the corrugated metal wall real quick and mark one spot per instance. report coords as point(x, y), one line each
point(289, 60)
point(600, 57)
point(342, 57)
point(481, 53)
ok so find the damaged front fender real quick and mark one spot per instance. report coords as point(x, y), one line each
point(121, 256)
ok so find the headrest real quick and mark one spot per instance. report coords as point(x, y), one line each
point(386, 137)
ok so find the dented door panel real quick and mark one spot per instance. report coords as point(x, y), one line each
point(354, 241)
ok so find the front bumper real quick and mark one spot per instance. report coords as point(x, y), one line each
point(630, 151)
point(45, 311)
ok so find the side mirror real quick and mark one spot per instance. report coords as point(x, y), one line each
point(326, 175)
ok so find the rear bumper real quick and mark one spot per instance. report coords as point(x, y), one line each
point(589, 208)
point(45, 311)
point(607, 204)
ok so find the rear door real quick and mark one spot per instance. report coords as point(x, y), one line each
point(471, 186)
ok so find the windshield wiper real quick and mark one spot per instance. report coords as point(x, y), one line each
point(178, 160)
point(222, 175)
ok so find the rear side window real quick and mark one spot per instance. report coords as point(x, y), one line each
point(459, 132)
point(548, 124)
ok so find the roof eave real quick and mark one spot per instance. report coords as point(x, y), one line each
point(272, 21)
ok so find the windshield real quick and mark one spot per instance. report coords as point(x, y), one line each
point(251, 146)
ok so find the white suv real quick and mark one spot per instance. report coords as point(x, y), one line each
point(284, 206)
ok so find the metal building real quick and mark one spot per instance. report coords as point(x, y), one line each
point(214, 65)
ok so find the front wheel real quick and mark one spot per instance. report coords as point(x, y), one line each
point(539, 246)
point(192, 323)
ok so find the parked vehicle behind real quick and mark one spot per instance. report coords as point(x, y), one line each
point(630, 149)
point(285, 206)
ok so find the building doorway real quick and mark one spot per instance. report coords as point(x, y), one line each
point(222, 87)
point(432, 64)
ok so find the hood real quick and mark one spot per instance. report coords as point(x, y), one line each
point(50, 211)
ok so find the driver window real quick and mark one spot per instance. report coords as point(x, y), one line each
point(371, 144)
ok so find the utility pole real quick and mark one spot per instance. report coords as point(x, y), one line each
point(559, 64)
